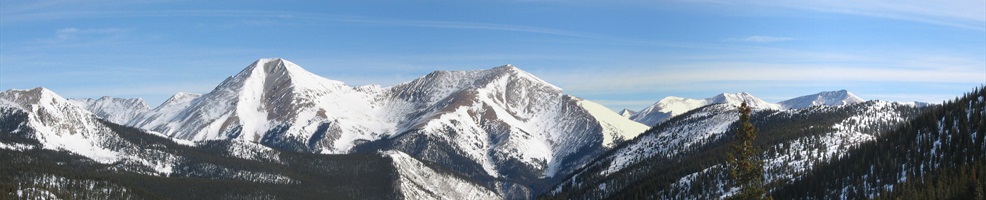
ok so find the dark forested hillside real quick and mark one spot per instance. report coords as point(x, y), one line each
point(938, 155)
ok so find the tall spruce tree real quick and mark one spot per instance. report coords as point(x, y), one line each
point(746, 169)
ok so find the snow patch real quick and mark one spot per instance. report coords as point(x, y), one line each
point(615, 127)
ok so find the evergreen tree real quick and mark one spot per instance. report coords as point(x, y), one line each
point(746, 169)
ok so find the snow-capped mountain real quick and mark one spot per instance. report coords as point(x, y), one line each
point(50, 121)
point(57, 123)
point(276, 102)
point(496, 123)
point(666, 108)
point(673, 106)
point(419, 181)
point(829, 98)
point(116, 110)
point(627, 113)
point(735, 99)
point(502, 123)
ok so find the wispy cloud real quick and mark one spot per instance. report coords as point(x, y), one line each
point(761, 39)
point(74, 33)
point(463, 25)
point(263, 18)
point(967, 14)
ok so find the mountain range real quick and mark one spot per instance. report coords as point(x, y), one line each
point(672, 106)
point(498, 133)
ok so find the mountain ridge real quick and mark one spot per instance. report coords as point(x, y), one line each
point(672, 106)
point(827, 98)
point(116, 110)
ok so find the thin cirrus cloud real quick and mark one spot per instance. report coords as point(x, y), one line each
point(348, 19)
point(967, 14)
point(74, 33)
point(761, 39)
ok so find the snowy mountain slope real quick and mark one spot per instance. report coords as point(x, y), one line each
point(165, 112)
point(938, 154)
point(879, 150)
point(696, 128)
point(666, 108)
point(419, 181)
point(800, 138)
point(58, 123)
point(672, 106)
point(793, 158)
point(116, 110)
point(42, 119)
point(829, 98)
point(616, 128)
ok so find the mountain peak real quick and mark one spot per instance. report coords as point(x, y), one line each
point(627, 113)
point(267, 93)
point(38, 91)
point(277, 73)
point(273, 66)
point(507, 66)
point(666, 108)
point(506, 69)
point(827, 98)
point(736, 99)
point(28, 97)
point(510, 70)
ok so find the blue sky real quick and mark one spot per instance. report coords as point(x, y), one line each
point(623, 54)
